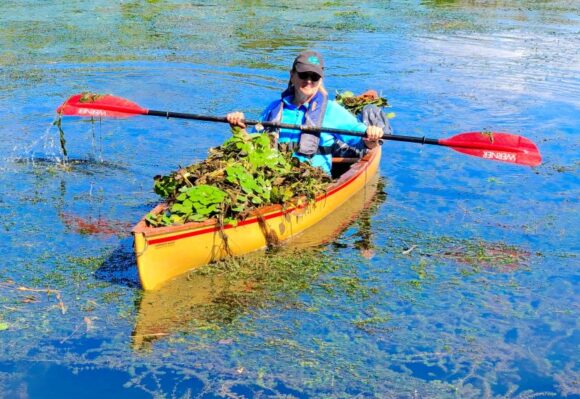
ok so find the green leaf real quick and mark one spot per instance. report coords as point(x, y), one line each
point(233, 222)
point(248, 185)
point(179, 208)
point(187, 203)
point(4, 326)
point(197, 218)
point(151, 219)
point(207, 211)
point(239, 208)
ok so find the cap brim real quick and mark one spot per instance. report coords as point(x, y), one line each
point(300, 67)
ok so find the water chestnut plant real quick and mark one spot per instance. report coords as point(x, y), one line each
point(245, 172)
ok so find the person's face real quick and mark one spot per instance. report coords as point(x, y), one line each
point(306, 84)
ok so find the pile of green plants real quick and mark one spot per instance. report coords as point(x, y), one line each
point(242, 174)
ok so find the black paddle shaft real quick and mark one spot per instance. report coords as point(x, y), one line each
point(303, 128)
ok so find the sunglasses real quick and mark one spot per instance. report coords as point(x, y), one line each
point(313, 77)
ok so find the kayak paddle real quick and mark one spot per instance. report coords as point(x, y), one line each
point(504, 147)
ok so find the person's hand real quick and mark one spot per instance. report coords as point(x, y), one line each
point(236, 119)
point(373, 135)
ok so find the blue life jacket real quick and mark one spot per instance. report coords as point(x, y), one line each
point(307, 145)
point(316, 148)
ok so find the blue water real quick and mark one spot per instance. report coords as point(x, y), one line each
point(422, 315)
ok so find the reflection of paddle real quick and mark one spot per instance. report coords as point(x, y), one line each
point(502, 147)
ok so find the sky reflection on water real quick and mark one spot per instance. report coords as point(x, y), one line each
point(470, 289)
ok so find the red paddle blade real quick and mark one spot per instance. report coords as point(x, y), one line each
point(503, 147)
point(99, 105)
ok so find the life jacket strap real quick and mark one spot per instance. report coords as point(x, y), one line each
point(295, 147)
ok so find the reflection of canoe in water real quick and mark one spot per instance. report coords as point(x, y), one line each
point(188, 301)
point(166, 252)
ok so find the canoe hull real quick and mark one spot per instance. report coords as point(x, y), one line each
point(166, 252)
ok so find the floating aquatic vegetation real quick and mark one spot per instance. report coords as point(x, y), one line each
point(477, 253)
point(214, 298)
point(351, 20)
point(497, 256)
point(19, 295)
point(237, 177)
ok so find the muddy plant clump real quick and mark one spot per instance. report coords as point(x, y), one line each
point(242, 174)
point(355, 104)
point(88, 97)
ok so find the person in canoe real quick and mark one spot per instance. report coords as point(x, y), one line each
point(305, 101)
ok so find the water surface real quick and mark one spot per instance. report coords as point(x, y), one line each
point(461, 281)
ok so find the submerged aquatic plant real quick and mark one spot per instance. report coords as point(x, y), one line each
point(86, 97)
point(497, 256)
point(58, 124)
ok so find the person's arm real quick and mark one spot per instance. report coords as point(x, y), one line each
point(374, 134)
point(378, 123)
point(339, 117)
point(237, 118)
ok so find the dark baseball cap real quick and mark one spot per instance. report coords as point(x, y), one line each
point(309, 61)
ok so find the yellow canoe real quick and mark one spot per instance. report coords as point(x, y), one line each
point(166, 252)
point(182, 303)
